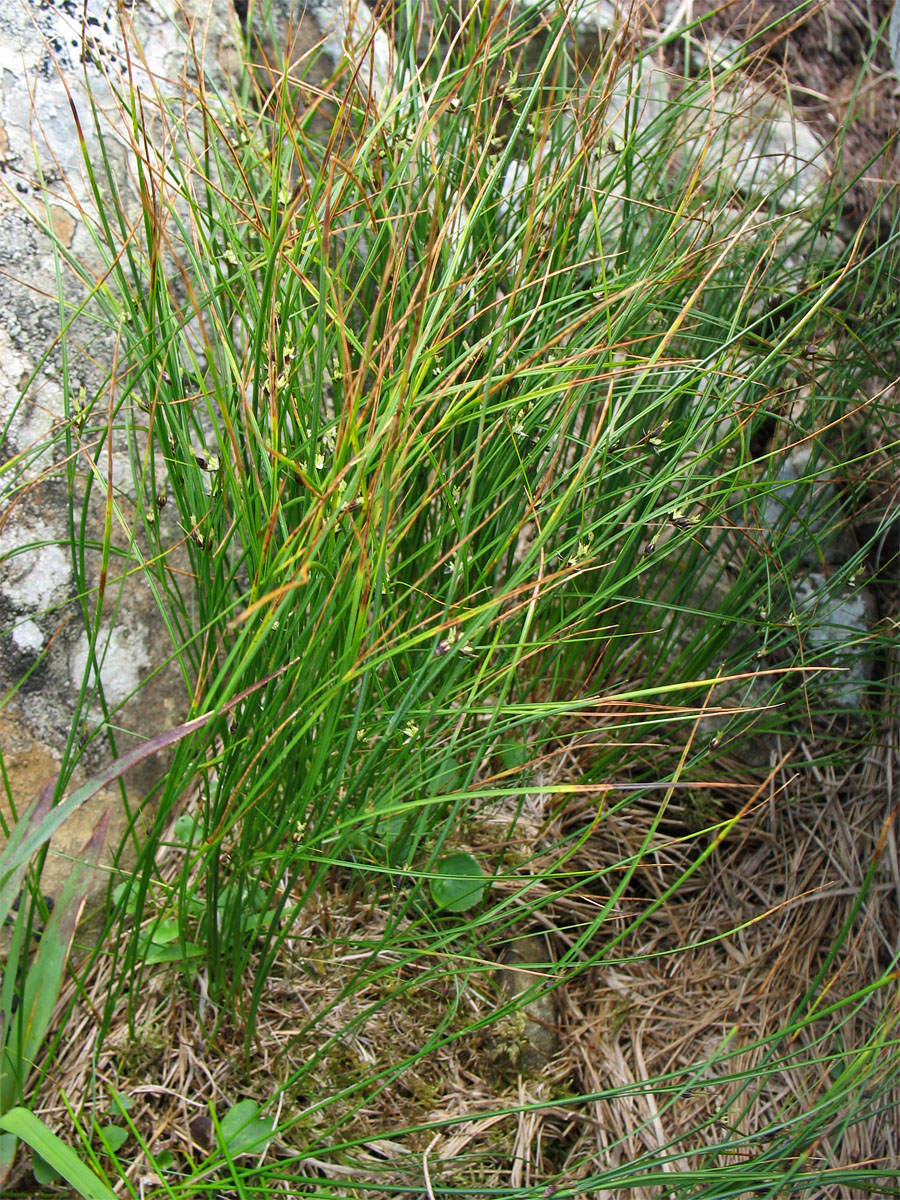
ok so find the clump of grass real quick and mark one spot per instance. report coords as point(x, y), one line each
point(468, 412)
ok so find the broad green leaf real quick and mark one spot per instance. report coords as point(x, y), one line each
point(250, 899)
point(513, 755)
point(459, 883)
point(13, 865)
point(133, 902)
point(44, 975)
point(400, 835)
point(31, 1129)
point(447, 777)
point(122, 1102)
point(172, 953)
point(8, 1143)
point(164, 932)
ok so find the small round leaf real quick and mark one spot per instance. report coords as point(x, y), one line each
point(113, 1137)
point(184, 829)
point(459, 883)
point(43, 1172)
point(514, 755)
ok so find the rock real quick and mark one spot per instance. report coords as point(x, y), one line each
point(763, 148)
point(834, 74)
point(882, 538)
point(589, 19)
point(801, 517)
point(836, 620)
point(528, 1038)
point(756, 137)
point(29, 765)
point(639, 94)
point(58, 397)
point(307, 40)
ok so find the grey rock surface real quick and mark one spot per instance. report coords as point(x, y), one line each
point(801, 518)
point(837, 621)
point(754, 135)
point(310, 38)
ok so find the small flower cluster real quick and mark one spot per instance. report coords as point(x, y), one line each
point(583, 552)
point(459, 559)
point(518, 422)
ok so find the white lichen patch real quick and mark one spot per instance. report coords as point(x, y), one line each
point(27, 409)
point(35, 578)
point(123, 657)
point(28, 636)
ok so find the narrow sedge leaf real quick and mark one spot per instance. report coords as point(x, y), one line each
point(53, 819)
point(31, 1129)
